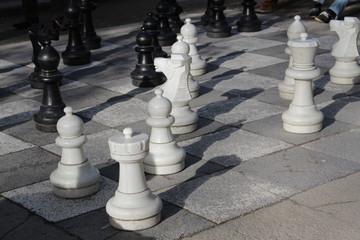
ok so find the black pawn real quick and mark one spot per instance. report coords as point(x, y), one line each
point(166, 36)
point(151, 26)
point(52, 105)
point(218, 27)
point(144, 74)
point(35, 75)
point(174, 19)
point(89, 37)
point(206, 18)
point(75, 53)
point(248, 21)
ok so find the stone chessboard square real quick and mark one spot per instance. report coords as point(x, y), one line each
point(324, 61)
point(232, 146)
point(266, 32)
point(298, 168)
point(342, 90)
point(19, 53)
point(15, 76)
point(224, 195)
point(248, 44)
point(32, 164)
point(6, 66)
point(273, 127)
point(214, 71)
point(276, 51)
point(64, 68)
point(39, 199)
point(7, 97)
point(238, 111)
point(348, 148)
point(10, 144)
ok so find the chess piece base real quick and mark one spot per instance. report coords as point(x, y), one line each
point(91, 42)
point(345, 73)
point(134, 225)
point(76, 193)
point(75, 58)
point(147, 79)
point(214, 34)
point(252, 26)
point(35, 81)
point(183, 129)
point(198, 72)
point(45, 127)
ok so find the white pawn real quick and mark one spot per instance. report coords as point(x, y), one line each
point(286, 87)
point(134, 206)
point(165, 156)
point(74, 177)
point(346, 69)
point(302, 115)
point(189, 32)
point(176, 88)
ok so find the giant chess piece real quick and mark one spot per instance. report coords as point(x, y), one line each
point(206, 18)
point(176, 88)
point(218, 27)
point(248, 21)
point(75, 53)
point(74, 176)
point(286, 87)
point(346, 69)
point(36, 45)
point(144, 74)
point(51, 109)
point(134, 206)
point(165, 156)
point(166, 36)
point(151, 26)
point(189, 33)
point(174, 19)
point(89, 37)
point(302, 115)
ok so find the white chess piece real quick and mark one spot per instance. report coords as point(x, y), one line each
point(165, 156)
point(134, 206)
point(302, 115)
point(189, 32)
point(346, 69)
point(286, 87)
point(74, 177)
point(176, 89)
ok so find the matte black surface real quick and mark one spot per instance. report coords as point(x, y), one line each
point(89, 37)
point(151, 26)
point(248, 21)
point(174, 16)
point(206, 18)
point(166, 37)
point(218, 27)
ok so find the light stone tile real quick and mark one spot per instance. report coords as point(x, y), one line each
point(18, 111)
point(9, 144)
point(248, 44)
point(237, 111)
point(222, 196)
point(96, 149)
point(232, 146)
point(264, 30)
point(40, 199)
point(344, 145)
point(6, 65)
point(123, 86)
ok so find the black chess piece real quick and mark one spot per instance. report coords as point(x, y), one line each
point(75, 53)
point(218, 27)
point(151, 26)
point(89, 37)
point(52, 105)
point(206, 18)
point(174, 16)
point(144, 74)
point(248, 21)
point(166, 36)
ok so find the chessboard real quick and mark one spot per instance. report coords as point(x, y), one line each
point(239, 161)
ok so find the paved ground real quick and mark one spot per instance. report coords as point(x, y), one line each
point(245, 177)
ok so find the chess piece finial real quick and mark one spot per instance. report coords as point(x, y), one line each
point(189, 32)
point(74, 176)
point(134, 206)
point(166, 37)
point(218, 27)
point(248, 21)
point(165, 156)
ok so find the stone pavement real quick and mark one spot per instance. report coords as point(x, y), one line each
point(245, 177)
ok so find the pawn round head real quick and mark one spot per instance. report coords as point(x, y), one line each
point(48, 57)
point(163, 7)
point(188, 30)
point(159, 106)
point(180, 46)
point(150, 23)
point(72, 10)
point(297, 18)
point(143, 39)
point(70, 126)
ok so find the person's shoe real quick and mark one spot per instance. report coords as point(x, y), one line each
point(326, 16)
point(267, 6)
point(314, 12)
point(25, 24)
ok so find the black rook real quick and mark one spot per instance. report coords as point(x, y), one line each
point(248, 21)
point(218, 27)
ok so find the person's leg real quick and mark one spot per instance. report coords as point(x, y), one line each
point(316, 10)
point(332, 13)
point(338, 6)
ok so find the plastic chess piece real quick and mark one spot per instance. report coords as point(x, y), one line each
point(346, 69)
point(88, 35)
point(248, 21)
point(165, 156)
point(189, 33)
point(151, 26)
point(74, 176)
point(166, 36)
point(51, 109)
point(75, 53)
point(174, 19)
point(176, 88)
point(302, 115)
point(286, 87)
point(206, 18)
point(218, 27)
point(144, 74)
point(134, 206)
